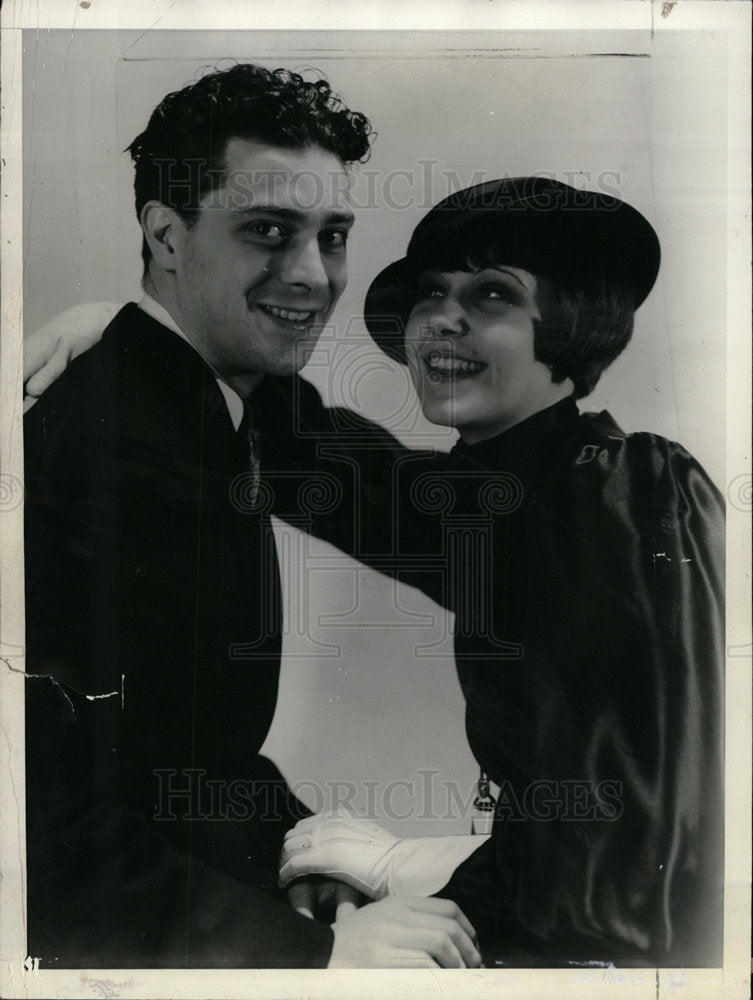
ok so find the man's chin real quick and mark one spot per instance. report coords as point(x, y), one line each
point(284, 367)
point(301, 355)
point(278, 359)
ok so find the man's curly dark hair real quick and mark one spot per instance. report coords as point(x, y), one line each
point(179, 157)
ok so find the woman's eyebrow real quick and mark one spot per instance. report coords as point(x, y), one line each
point(436, 272)
point(511, 274)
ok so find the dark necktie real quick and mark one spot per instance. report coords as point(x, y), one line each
point(251, 439)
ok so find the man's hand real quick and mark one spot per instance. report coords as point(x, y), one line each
point(307, 896)
point(405, 934)
point(50, 349)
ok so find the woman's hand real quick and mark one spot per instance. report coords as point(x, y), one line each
point(405, 934)
point(369, 858)
point(50, 349)
point(340, 846)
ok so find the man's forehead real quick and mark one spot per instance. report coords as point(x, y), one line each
point(261, 175)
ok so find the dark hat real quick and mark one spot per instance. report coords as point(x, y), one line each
point(547, 227)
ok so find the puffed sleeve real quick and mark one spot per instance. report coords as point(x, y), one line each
point(607, 841)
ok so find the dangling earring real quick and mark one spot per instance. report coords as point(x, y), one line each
point(483, 807)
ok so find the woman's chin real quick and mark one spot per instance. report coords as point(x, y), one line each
point(437, 412)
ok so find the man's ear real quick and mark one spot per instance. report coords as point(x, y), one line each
point(163, 230)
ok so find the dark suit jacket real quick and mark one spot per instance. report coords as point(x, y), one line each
point(154, 637)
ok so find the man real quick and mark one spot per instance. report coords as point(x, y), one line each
point(530, 888)
point(153, 604)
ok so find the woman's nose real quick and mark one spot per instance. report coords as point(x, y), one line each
point(448, 318)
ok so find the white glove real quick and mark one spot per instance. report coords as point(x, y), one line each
point(369, 858)
point(49, 350)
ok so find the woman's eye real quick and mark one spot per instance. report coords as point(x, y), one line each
point(424, 292)
point(495, 294)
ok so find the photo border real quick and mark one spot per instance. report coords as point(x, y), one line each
point(733, 980)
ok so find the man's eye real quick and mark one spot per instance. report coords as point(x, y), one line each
point(267, 230)
point(333, 239)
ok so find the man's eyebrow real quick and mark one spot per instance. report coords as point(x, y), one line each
point(335, 217)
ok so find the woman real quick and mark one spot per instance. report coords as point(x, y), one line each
point(584, 567)
point(586, 574)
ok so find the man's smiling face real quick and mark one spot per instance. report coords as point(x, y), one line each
point(259, 272)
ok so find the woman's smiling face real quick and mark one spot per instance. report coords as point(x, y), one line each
point(469, 343)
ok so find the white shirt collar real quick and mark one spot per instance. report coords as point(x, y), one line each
point(156, 311)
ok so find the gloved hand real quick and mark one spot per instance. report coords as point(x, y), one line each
point(49, 350)
point(370, 858)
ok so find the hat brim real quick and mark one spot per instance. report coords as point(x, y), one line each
point(595, 235)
